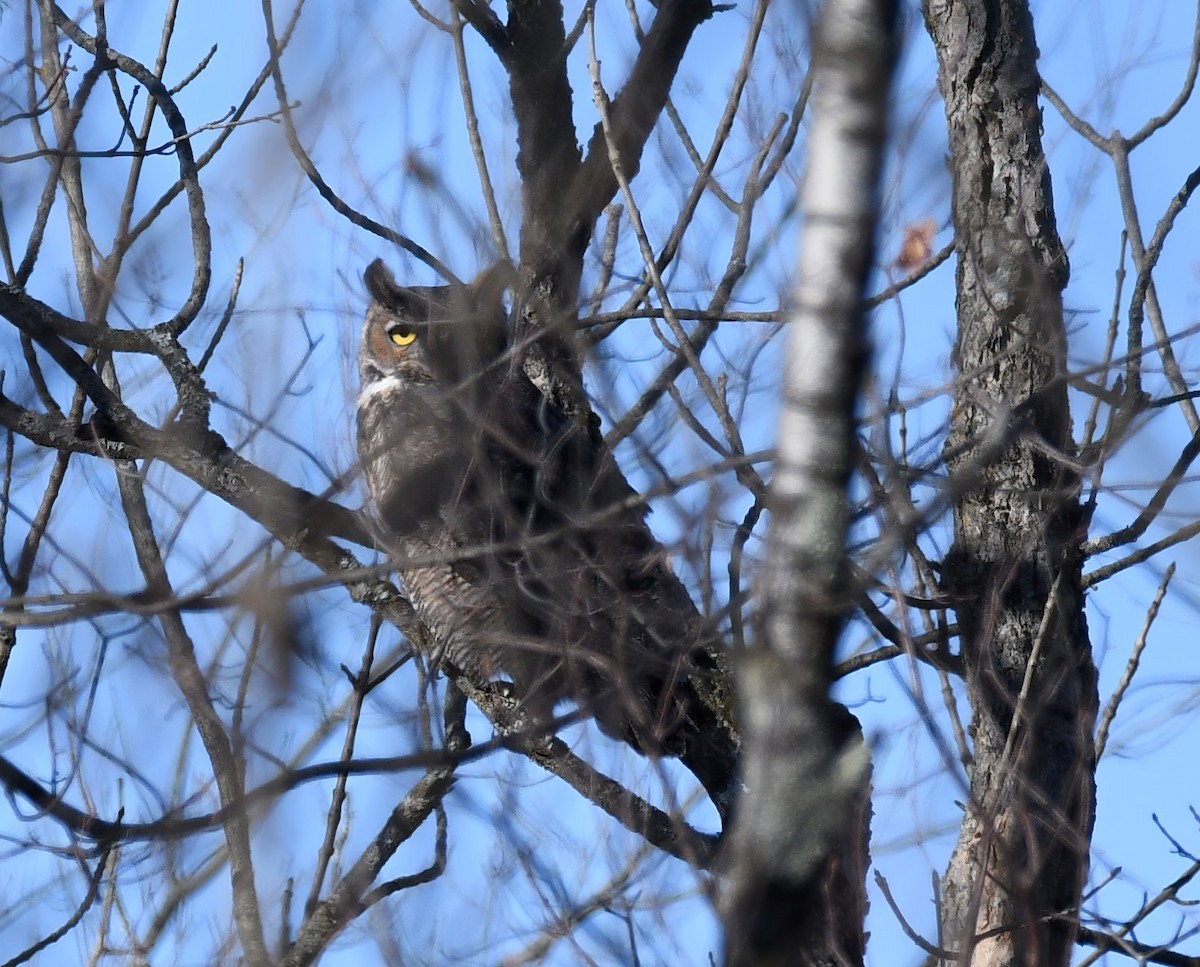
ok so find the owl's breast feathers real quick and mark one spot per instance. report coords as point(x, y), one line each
point(406, 437)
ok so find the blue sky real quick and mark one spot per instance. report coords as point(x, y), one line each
point(379, 100)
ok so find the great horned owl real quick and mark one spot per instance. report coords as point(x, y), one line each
point(519, 545)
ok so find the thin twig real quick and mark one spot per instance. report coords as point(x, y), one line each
point(1131, 666)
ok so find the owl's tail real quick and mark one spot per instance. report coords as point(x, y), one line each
point(673, 713)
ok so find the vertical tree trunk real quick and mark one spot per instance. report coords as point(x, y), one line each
point(799, 846)
point(1012, 889)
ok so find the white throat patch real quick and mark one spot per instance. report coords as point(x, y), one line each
point(382, 387)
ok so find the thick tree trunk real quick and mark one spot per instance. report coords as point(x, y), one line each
point(1012, 890)
point(796, 893)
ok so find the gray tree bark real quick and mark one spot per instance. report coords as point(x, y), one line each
point(799, 850)
point(1012, 889)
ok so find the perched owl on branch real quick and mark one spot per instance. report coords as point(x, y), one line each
point(519, 544)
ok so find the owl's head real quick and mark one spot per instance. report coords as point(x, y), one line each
point(431, 334)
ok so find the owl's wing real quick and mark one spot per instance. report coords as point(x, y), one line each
point(581, 564)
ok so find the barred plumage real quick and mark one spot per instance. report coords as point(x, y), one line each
point(518, 544)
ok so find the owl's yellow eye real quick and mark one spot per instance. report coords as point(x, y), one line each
point(401, 335)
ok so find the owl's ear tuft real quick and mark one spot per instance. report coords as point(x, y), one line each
point(490, 285)
point(382, 285)
point(490, 319)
